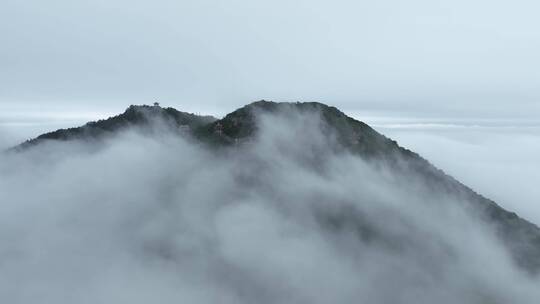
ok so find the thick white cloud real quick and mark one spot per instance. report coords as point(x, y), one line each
point(284, 218)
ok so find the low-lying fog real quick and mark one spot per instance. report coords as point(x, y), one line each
point(281, 219)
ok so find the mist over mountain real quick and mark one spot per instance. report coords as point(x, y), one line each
point(273, 203)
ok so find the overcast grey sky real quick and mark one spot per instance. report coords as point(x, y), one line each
point(417, 58)
point(420, 64)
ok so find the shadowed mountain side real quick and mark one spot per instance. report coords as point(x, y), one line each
point(240, 126)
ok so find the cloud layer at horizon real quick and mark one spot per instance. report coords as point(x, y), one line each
point(500, 162)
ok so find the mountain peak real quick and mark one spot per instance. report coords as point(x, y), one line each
point(242, 123)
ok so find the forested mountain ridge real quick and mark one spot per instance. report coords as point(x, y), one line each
point(352, 136)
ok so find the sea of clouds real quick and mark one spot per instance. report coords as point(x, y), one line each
point(284, 218)
point(499, 160)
